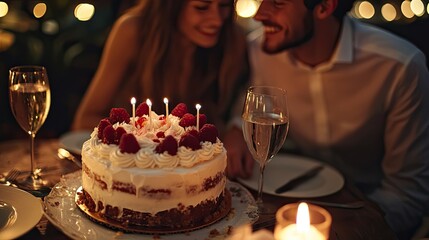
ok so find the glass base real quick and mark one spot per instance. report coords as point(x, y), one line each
point(35, 185)
point(264, 209)
point(34, 182)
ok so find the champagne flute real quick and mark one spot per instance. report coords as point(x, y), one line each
point(30, 100)
point(265, 126)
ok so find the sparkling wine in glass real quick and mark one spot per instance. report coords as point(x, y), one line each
point(30, 100)
point(265, 127)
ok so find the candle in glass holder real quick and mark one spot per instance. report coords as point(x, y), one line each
point(302, 222)
point(166, 106)
point(198, 107)
point(133, 103)
point(149, 104)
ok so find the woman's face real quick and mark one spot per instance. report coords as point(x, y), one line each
point(201, 21)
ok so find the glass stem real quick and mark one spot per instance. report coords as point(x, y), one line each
point(33, 175)
point(260, 184)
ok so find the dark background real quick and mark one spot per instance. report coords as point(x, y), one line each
point(71, 54)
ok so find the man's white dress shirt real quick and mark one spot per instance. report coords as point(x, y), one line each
point(366, 112)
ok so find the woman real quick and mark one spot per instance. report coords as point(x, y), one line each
point(188, 51)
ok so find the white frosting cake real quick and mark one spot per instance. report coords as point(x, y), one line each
point(150, 185)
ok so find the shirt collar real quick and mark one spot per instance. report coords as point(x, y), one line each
point(344, 51)
point(342, 54)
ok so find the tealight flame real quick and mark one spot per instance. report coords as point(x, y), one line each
point(301, 229)
point(303, 218)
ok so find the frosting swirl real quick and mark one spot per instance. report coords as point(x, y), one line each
point(147, 137)
point(119, 159)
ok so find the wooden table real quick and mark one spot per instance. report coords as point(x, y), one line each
point(347, 224)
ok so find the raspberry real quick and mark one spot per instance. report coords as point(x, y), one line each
point(203, 119)
point(179, 110)
point(140, 121)
point(119, 115)
point(103, 124)
point(142, 109)
point(128, 143)
point(194, 133)
point(160, 134)
point(169, 144)
point(188, 120)
point(109, 135)
point(208, 133)
point(190, 141)
point(118, 134)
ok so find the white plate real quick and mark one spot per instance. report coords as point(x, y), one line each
point(73, 141)
point(61, 210)
point(284, 167)
point(28, 211)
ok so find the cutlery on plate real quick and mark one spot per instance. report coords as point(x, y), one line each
point(10, 180)
point(64, 154)
point(350, 205)
point(10, 177)
point(307, 175)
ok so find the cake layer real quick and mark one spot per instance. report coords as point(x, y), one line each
point(152, 190)
point(170, 221)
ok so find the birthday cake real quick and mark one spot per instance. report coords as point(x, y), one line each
point(154, 173)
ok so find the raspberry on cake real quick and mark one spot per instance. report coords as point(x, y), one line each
point(164, 176)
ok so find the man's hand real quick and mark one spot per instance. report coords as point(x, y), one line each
point(240, 161)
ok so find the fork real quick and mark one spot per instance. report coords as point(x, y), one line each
point(11, 176)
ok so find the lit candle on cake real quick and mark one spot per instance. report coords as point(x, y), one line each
point(149, 104)
point(166, 106)
point(301, 230)
point(133, 103)
point(198, 107)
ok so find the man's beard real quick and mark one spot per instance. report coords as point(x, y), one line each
point(308, 24)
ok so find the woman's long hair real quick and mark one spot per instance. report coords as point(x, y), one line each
point(215, 70)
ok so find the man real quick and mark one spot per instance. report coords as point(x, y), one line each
point(358, 99)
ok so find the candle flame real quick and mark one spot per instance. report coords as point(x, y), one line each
point(303, 218)
point(198, 106)
point(148, 102)
point(133, 100)
point(165, 100)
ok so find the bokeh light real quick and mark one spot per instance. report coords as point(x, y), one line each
point(366, 10)
point(406, 9)
point(355, 10)
point(84, 11)
point(388, 12)
point(246, 8)
point(39, 10)
point(418, 7)
point(50, 27)
point(3, 9)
